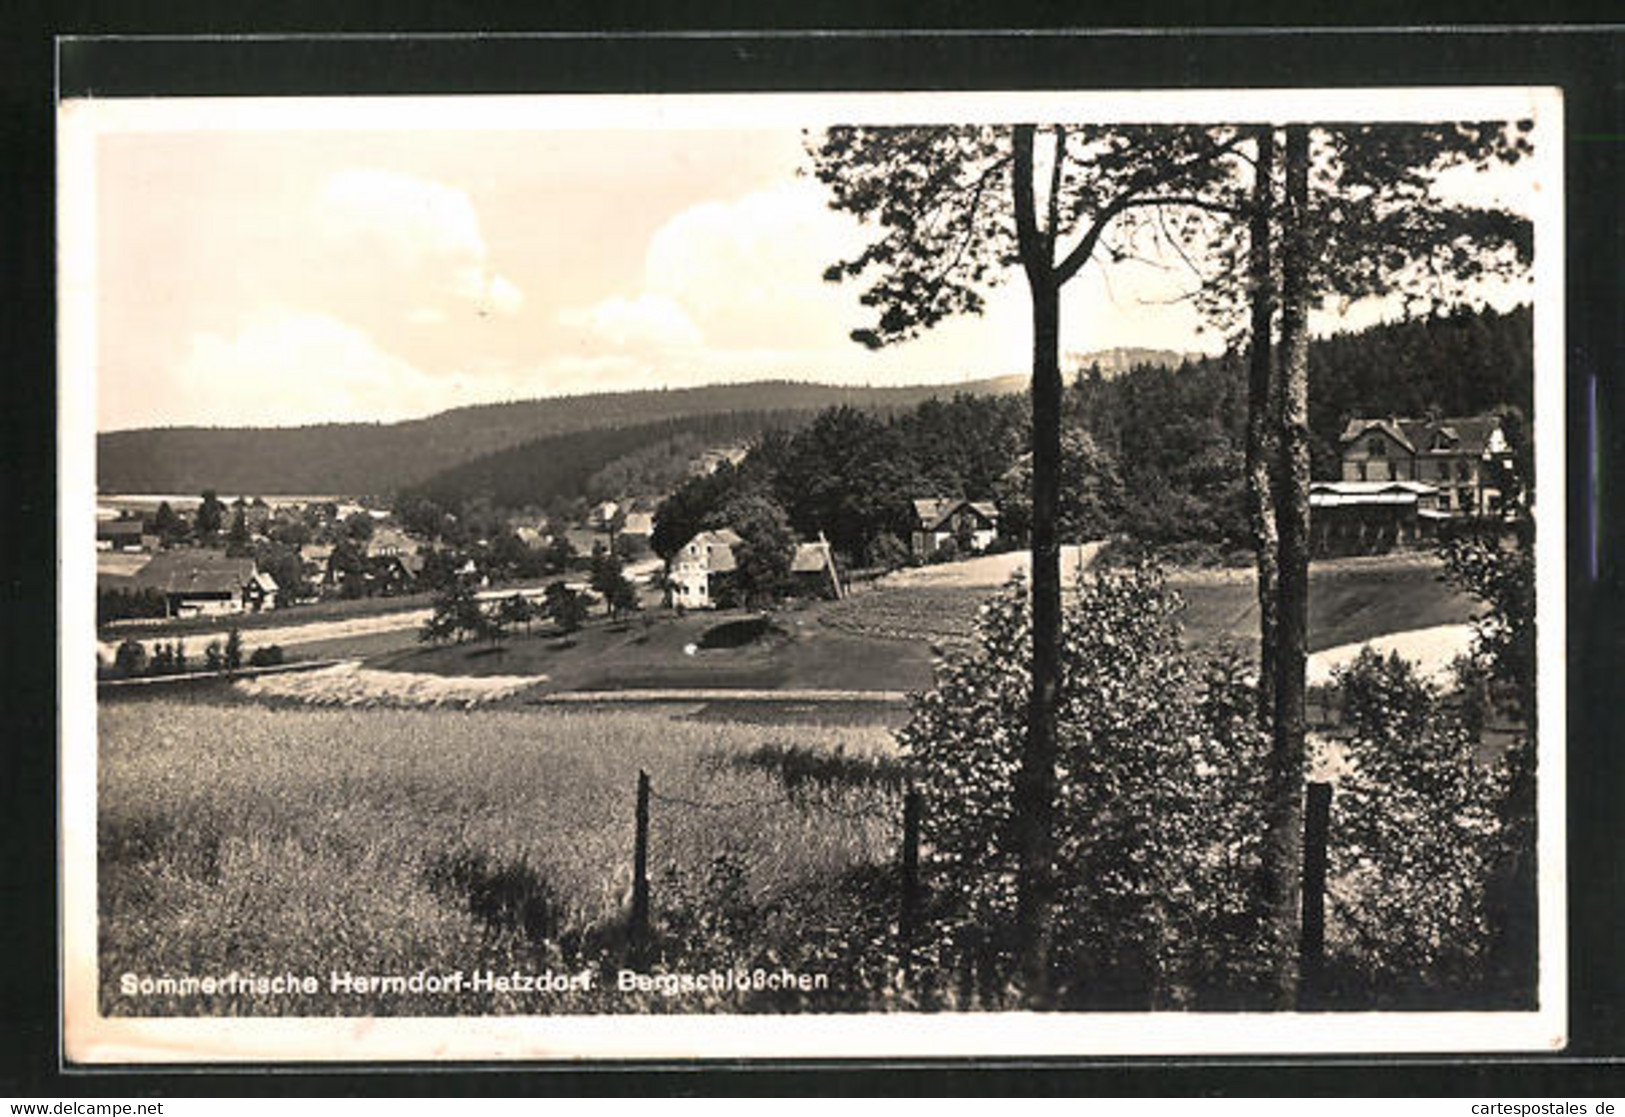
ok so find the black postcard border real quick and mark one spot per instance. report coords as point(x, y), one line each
point(1584, 61)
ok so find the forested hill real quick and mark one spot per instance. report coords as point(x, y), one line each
point(362, 458)
point(610, 463)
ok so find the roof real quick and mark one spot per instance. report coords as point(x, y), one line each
point(1469, 435)
point(1332, 494)
point(265, 582)
point(932, 511)
point(1391, 427)
point(810, 558)
point(193, 571)
point(719, 549)
point(638, 523)
point(118, 529)
point(390, 539)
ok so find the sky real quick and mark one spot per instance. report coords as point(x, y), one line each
point(286, 276)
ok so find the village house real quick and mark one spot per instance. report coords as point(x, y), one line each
point(813, 572)
point(972, 525)
point(313, 560)
point(203, 583)
point(638, 525)
point(1468, 460)
point(124, 535)
point(698, 569)
point(709, 461)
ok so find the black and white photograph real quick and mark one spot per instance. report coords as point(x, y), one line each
point(802, 575)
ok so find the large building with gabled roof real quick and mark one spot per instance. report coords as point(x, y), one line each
point(1468, 460)
point(197, 582)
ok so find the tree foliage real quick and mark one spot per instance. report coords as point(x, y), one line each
point(456, 615)
point(565, 606)
point(1156, 820)
point(1421, 832)
point(766, 548)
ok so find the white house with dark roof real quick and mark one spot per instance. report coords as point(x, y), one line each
point(697, 569)
point(972, 524)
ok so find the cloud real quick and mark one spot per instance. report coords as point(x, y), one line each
point(647, 321)
point(417, 235)
point(734, 275)
point(734, 289)
point(749, 271)
point(288, 367)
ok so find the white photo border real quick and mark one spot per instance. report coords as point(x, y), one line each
point(92, 1039)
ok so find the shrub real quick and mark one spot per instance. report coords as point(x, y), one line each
point(889, 551)
point(268, 656)
point(234, 650)
point(130, 658)
point(1418, 836)
point(1156, 813)
point(213, 659)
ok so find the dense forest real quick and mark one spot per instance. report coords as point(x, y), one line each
point(552, 471)
point(1153, 455)
point(358, 459)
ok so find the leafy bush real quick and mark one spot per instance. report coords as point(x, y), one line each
point(1501, 573)
point(800, 769)
point(130, 658)
point(268, 656)
point(1419, 835)
point(1156, 815)
point(737, 634)
point(126, 604)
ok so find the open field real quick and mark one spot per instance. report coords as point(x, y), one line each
point(992, 571)
point(664, 651)
point(235, 837)
point(1350, 601)
point(884, 637)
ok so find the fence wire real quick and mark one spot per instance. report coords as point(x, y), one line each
point(856, 815)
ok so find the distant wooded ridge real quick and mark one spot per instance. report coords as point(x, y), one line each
point(379, 458)
point(572, 445)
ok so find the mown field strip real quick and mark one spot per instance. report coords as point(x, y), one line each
point(698, 694)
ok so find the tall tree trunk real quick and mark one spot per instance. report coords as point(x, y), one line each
point(1035, 780)
point(1032, 813)
point(1284, 827)
point(1263, 407)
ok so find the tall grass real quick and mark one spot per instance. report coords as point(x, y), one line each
point(379, 841)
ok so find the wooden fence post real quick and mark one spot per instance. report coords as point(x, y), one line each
point(638, 932)
point(1312, 945)
point(909, 914)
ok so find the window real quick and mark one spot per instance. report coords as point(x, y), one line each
point(1376, 446)
point(1463, 471)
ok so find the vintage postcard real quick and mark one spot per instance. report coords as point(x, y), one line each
point(812, 575)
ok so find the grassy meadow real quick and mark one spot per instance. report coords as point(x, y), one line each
point(1350, 601)
point(240, 837)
